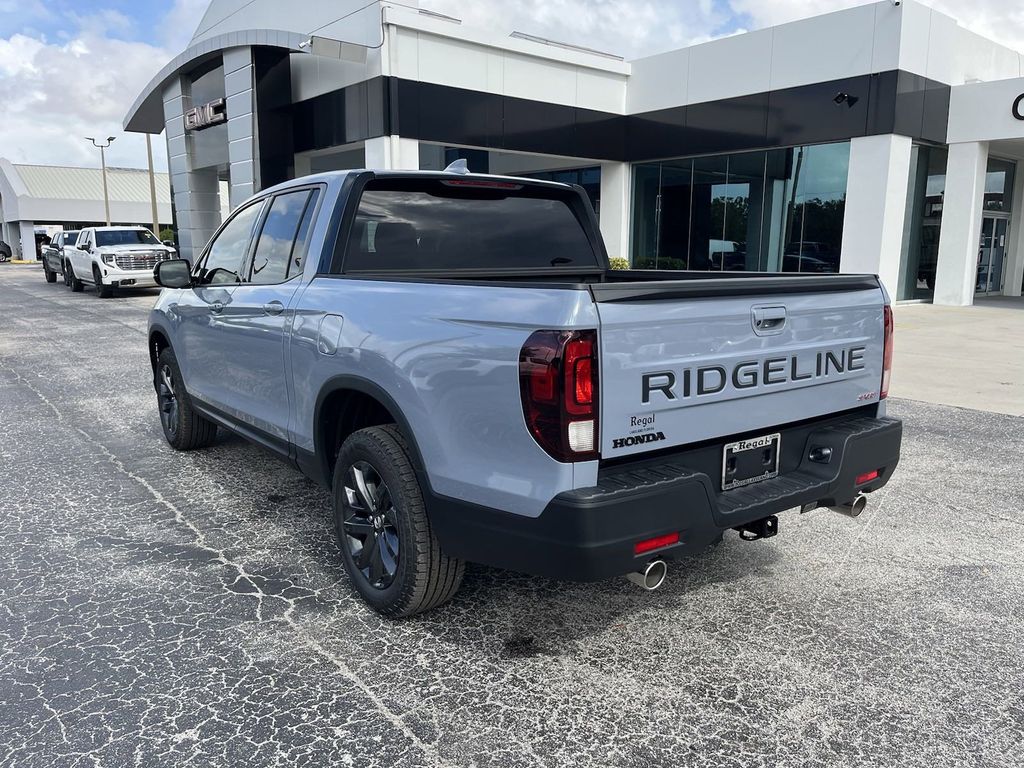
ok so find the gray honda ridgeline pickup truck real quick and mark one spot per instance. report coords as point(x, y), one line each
point(451, 355)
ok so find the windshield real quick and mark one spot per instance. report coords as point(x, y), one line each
point(70, 238)
point(125, 237)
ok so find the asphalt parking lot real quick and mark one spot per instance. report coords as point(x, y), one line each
point(166, 609)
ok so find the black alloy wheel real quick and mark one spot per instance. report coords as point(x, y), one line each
point(168, 402)
point(370, 523)
point(102, 291)
point(393, 557)
point(74, 283)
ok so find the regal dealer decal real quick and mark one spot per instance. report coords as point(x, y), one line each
point(641, 433)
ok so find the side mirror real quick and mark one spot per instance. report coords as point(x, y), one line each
point(168, 243)
point(82, 246)
point(173, 273)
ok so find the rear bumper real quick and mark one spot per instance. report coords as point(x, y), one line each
point(589, 534)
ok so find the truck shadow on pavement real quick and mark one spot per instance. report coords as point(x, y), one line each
point(503, 613)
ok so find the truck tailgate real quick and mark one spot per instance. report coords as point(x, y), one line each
point(684, 363)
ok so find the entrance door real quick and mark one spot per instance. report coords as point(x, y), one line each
point(992, 255)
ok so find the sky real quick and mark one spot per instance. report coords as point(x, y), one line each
point(72, 68)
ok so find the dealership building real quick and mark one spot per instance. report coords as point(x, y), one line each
point(45, 199)
point(883, 138)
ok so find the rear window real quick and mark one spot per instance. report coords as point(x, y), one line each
point(456, 224)
point(125, 237)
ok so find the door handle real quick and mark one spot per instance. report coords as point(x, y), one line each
point(216, 307)
point(768, 319)
point(273, 308)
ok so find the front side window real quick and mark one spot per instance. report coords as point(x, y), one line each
point(223, 262)
point(125, 237)
point(433, 224)
point(277, 240)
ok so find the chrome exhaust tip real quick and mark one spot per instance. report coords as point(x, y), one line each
point(852, 508)
point(651, 577)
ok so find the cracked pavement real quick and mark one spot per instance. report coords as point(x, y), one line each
point(169, 609)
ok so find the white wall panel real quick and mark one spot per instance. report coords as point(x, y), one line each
point(732, 66)
point(659, 81)
point(915, 35)
point(451, 62)
point(981, 59)
point(539, 79)
point(983, 111)
point(825, 47)
point(446, 60)
point(604, 91)
point(885, 47)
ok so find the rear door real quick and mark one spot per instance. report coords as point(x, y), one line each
point(254, 325)
point(689, 361)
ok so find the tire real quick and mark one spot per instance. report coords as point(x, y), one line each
point(184, 429)
point(51, 277)
point(102, 291)
point(419, 576)
point(73, 282)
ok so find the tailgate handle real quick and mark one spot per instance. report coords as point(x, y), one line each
point(768, 319)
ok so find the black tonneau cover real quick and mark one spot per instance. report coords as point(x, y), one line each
point(651, 285)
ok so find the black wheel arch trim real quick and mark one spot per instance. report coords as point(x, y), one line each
point(318, 464)
point(154, 330)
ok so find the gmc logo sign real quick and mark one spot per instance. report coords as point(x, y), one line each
point(206, 115)
point(1018, 107)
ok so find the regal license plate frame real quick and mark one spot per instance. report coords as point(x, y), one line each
point(750, 461)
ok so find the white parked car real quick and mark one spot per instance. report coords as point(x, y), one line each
point(115, 257)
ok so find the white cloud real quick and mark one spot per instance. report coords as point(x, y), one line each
point(56, 92)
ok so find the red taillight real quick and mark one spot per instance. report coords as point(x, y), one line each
point(558, 384)
point(649, 545)
point(887, 353)
point(867, 477)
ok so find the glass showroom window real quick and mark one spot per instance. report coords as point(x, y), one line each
point(999, 185)
point(779, 210)
point(920, 252)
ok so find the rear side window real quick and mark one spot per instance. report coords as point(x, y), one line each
point(435, 224)
point(282, 235)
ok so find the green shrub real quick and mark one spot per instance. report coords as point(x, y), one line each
point(166, 234)
point(617, 262)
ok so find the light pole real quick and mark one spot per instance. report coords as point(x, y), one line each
point(103, 164)
point(152, 187)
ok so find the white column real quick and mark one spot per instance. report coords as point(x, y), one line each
point(957, 271)
point(392, 153)
point(615, 213)
point(1013, 273)
point(876, 202)
point(27, 233)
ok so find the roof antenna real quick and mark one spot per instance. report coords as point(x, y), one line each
point(460, 167)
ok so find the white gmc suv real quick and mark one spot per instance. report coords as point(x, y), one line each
point(115, 257)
